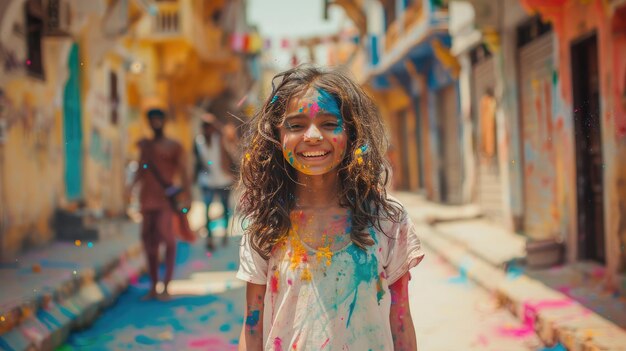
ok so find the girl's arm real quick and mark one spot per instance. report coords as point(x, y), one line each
point(402, 329)
point(251, 338)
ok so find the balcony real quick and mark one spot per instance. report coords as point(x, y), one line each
point(170, 21)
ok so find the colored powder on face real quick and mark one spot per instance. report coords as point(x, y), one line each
point(278, 344)
point(253, 319)
point(328, 103)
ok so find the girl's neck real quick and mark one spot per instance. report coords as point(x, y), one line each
point(318, 192)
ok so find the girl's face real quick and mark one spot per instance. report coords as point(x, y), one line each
point(312, 133)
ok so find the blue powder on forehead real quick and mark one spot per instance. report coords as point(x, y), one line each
point(327, 102)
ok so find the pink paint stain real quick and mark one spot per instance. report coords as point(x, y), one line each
point(134, 278)
point(530, 315)
point(198, 264)
point(211, 343)
point(325, 343)
point(289, 282)
point(482, 340)
point(274, 284)
point(278, 344)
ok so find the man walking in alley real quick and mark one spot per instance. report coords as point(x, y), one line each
point(215, 152)
point(161, 162)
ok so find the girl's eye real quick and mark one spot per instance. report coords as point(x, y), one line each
point(293, 126)
point(331, 125)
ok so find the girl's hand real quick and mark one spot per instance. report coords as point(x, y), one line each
point(400, 318)
point(251, 338)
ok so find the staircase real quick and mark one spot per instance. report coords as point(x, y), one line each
point(490, 190)
point(71, 226)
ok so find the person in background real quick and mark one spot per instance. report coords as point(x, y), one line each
point(161, 161)
point(214, 170)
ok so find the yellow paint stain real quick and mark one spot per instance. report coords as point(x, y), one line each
point(359, 160)
point(306, 275)
point(298, 255)
point(324, 253)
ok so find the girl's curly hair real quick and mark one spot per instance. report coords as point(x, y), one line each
point(267, 183)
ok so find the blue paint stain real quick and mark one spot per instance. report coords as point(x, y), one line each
point(90, 244)
point(253, 319)
point(274, 98)
point(557, 347)
point(209, 162)
point(225, 328)
point(145, 166)
point(352, 304)
point(462, 277)
point(231, 266)
point(145, 340)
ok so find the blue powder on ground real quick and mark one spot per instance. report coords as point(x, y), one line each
point(145, 340)
point(557, 347)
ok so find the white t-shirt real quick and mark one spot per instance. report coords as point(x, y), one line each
point(212, 176)
point(335, 297)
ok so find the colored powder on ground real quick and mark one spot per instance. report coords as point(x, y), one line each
point(206, 343)
point(146, 340)
point(225, 328)
point(557, 347)
point(231, 266)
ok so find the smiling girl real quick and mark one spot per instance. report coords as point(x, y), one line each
point(326, 253)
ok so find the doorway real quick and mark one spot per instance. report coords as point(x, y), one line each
point(72, 128)
point(588, 138)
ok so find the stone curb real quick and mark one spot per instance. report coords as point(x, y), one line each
point(552, 315)
point(51, 317)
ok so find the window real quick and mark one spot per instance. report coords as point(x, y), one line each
point(34, 31)
point(114, 99)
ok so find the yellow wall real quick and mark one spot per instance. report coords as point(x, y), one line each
point(32, 154)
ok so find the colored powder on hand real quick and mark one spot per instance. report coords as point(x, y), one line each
point(253, 319)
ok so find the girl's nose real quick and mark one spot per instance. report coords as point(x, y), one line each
point(312, 133)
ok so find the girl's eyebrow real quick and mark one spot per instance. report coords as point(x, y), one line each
point(295, 115)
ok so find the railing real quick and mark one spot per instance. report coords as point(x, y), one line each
point(167, 21)
point(407, 20)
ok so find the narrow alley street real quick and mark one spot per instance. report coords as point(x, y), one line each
point(206, 312)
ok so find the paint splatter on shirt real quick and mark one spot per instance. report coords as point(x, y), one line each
point(325, 293)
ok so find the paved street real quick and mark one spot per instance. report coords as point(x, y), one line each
point(450, 312)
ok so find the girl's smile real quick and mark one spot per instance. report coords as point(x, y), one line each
point(312, 134)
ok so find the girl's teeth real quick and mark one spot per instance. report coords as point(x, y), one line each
point(314, 154)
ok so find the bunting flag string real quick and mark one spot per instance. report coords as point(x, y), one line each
point(251, 43)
